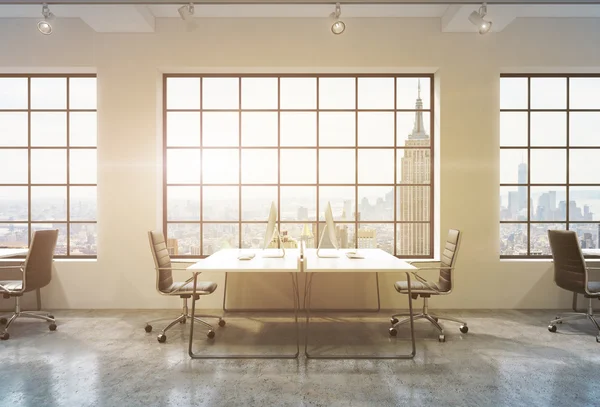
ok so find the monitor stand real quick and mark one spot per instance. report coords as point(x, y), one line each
point(334, 255)
point(275, 255)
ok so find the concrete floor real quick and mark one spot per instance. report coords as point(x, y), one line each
point(104, 358)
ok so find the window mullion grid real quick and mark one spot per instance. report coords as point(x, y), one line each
point(278, 157)
point(528, 188)
point(240, 162)
point(201, 172)
point(396, 189)
point(164, 163)
point(29, 226)
point(356, 211)
point(568, 180)
point(317, 239)
point(69, 169)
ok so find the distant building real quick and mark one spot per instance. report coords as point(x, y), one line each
point(302, 213)
point(287, 241)
point(367, 238)
point(415, 201)
point(172, 247)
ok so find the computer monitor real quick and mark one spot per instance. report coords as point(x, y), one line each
point(271, 230)
point(330, 230)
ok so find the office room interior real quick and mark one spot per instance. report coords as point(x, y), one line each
point(460, 134)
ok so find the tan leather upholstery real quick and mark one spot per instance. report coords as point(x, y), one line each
point(38, 265)
point(162, 262)
point(569, 265)
point(444, 284)
point(417, 287)
point(448, 259)
point(203, 287)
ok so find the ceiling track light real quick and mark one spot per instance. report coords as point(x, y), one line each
point(477, 19)
point(338, 25)
point(44, 25)
point(186, 12)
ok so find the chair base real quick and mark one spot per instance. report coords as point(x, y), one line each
point(25, 314)
point(589, 314)
point(434, 319)
point(182, 319)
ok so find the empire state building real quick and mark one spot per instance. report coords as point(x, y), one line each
point(414, 201)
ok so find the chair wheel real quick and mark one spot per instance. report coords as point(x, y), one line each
point(221, 322)
point(4, 336)
point(50, 316)
point(598, 338)
point(393, 331)
point(183, 321)
point(211, 334)
point(558, 322)
point(162, 338)
point(148, 328)
point(552, 328)
point(464, 329)
point(3, 321)
point(442, 338)
point(52, 327)
point(436, 319)
point(393, 320)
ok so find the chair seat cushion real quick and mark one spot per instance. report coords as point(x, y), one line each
point(594, 287)
point(202, 288)
point(12, 285)
point(416, 286)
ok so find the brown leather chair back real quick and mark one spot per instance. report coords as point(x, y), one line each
point(449, 254)
point(569, 265)
point(162, 260)
point(38, 264)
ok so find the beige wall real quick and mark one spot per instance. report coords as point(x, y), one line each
point(467, 68)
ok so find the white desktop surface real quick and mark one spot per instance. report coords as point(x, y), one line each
point(374, 261)
point(12, 252)
point(226, 261)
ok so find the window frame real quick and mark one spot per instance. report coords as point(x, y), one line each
point(567, 148)
point(67, 147)
point(356, 185)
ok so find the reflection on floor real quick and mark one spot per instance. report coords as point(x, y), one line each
point(104, 358)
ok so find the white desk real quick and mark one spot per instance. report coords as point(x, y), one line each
point(374, 261)
point(226, 261)
point(591, 252)
point(12, 252)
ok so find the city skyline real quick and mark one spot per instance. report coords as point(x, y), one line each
point(363, 185)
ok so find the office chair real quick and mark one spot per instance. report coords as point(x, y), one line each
point(36, 273)
point(572, 274)
point(166, 286)
point(425, 289)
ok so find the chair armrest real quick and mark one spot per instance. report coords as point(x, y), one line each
point(424, 282)
point(16, 266)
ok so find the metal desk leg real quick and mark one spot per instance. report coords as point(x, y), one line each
point(307, 293)
point(296, 296)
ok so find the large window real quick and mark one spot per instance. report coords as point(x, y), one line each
point(549, 161)
point(234, 144)
point(48, 160)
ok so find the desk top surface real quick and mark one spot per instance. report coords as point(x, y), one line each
point(374, 261)
point(227, 261)
point(591, 252)
point(12, 252)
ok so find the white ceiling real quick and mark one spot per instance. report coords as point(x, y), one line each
point(140, 18)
